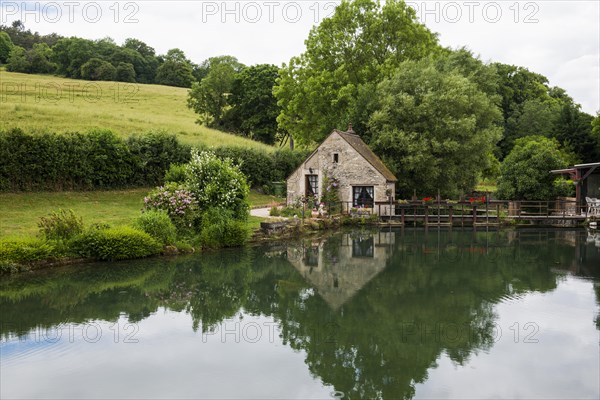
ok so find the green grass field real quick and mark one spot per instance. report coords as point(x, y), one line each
point(20, 212)
point(54, 104)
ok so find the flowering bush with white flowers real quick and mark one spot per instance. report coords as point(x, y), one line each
point(179, 203)
point(217, 182)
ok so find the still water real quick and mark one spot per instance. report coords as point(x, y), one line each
point(386, 314)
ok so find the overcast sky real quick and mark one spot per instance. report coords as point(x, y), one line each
point(559, 39)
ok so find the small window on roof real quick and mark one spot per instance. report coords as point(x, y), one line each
point(336, 157)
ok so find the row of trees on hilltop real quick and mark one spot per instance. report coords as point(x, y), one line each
point(97, 60)
point(226, 94)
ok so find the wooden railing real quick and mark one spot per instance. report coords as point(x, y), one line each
point(444, 212)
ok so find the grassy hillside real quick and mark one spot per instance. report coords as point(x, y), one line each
point(50, 103)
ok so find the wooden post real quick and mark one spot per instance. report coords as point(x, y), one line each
point(498, 213)
point(462, 215)
point(438, 207)
point(474, 215)
point(450, 212)
point(426, 214)
point(487, 215)
point(402, 215)
point(415, 215)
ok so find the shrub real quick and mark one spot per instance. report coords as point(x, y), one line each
point(214, 181)
point(175, 174)
point(60, 225)
point(115, 244)
point(290, 211)
point(179, 203)
point(26, 250)
point(274, 212)
point(220, 230)
point(157, 224)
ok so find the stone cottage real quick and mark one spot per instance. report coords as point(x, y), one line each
point(363, 179)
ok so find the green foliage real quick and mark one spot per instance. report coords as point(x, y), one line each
point(530, 107)
point(125, 72)
point(26, 250)
point(60, 225)
point(564, 187)
point(525, 172)
point(153, 153)
point(98, 70)
point(217, 182)
point(33, 61)
point(98, 159)
point(17, 60)
point(115, 244)
point(208, 97)
point(254, 109)
point(258, 166)
point(6, 45)
point(176, 70)
point(434, 129)
point(291, 211)
point(330, 196)
point(275, 211)
point(175, 174)
point(220, 229)
point(346, 56)
point(157, 224)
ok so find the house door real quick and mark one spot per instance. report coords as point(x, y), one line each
point(312, 186)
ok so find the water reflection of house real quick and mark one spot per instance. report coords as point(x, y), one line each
point(338, 272)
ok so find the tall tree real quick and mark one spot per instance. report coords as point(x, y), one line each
point(360, 44)
point(435, 129)
point(209, 97)
point(254, 110)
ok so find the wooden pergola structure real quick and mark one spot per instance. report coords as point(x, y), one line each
point(587, 177)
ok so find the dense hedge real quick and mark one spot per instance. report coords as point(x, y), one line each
point(100, 159)
point(262, 168)
point(95, 160)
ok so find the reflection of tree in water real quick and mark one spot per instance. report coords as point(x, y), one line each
point(436, 295)
point(432, 293)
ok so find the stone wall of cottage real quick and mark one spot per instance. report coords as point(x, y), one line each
point(350, 170)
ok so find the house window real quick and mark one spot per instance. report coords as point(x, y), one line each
point(312, 185)
point(336, 158)
point(362, 248)
point(311, 256)
point(363, 196)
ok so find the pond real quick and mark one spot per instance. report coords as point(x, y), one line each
point(409, 313)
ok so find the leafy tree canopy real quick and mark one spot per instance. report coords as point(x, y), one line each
point(6, 45)
point(525, 172)
point(254, 110)
point(359, 45)
point(209, 97)
point(434, 128)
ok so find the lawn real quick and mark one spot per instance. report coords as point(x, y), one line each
point(20, 212)
point(46, 102)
